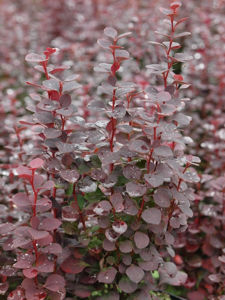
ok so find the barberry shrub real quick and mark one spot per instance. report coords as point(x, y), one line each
point(201, 248)
point(102, 196)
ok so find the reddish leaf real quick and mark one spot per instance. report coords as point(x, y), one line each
point(111, 125)
point(135, 190)
point(110, 32)
point(55, 283)
point(36, 163)
point(37, 234)
point(24, 172)
point(73, 266)
point(35, 58)
point(70, 175)
point(54, 248)
point(141, 239)
point(127, 286)
point(22, 201)
point(117, 202)
point(17, 294)
point(30, 273)
point(135, 273)
point(65, 100)
point(102, 208)
point(49, 224)
point(126, 246)
point(152, 216)
point(6, 228)
point(43, 264)
point(119, 226)
point(3, 288)
point(107, 276)
point(69, 214)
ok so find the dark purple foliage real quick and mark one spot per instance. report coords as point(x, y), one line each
point(102, 195)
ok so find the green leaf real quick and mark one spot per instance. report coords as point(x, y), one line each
point(95, 196)
point(141, 163)
point(121, 181)
point(81, 201)
point(95, 161)
point(82, 166)
point(69, 190)
point(69, 228)
point(155, 274)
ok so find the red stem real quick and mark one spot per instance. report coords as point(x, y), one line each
point(141, 209)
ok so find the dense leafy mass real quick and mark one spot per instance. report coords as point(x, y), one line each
point(112, 153)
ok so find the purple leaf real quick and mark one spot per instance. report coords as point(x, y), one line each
point(182, 34)
point(70, 175)
point(179, 279)
point(55, 283)
point(175, 222)
point(17, 294)
point(82, 291)
point(72, 266)
point(153, 180)
point(150, 265)
point(132, 172)
point(152, 216)
point(127, 260)
point(69, 214)
point(48, 185)
point(117, 202)
point(111, 235)
point(141, 240)
point(20, 242)
point(135, 273)
point(130, 206)
point(126, 246)
point(54, 248)
point(44, 117)
point(51, 84)
point(135, 190)
point(3, 288)
point(103, 208)
point(123, 35)
point(30, 273)
point(163, 96)
point(182, 57)
point(52, 133)
point(122, 54)
point(163, 151)
point(139, 146)
point(49, 224)
point(104, 43)
point(23, 172)
point(108, 246)
point(6, 228)
point(37, 234)
point(43, 264)
point(110, 32)
point(119, 226)
point(24, 261)
point(70, 86)
point(162, 197)
point(43, 205)
point(107, 276)
point(65, 100)
point(66, 111)
point(35, 58)
point(127, 286)
point(22, 201)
